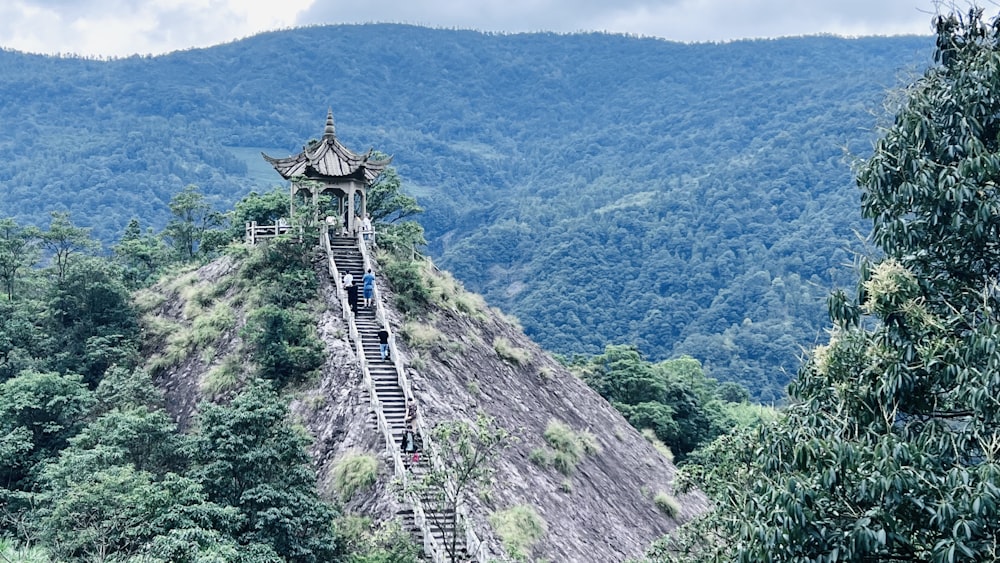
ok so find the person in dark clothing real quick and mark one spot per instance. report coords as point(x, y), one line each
point(411, 412)
point(383, 343)
point(352, 297)
point(409, 445)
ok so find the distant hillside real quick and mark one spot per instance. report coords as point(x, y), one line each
point(603, 188)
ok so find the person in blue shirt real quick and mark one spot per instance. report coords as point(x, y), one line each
point(368, 287)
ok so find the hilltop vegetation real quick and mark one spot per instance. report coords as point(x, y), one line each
point(686, 199)
point(889, 451)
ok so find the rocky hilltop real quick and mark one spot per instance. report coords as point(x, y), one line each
point(468, 360)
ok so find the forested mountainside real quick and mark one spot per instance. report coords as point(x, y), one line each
point(603, 188)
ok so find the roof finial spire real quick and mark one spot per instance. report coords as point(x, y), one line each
point(329, 132)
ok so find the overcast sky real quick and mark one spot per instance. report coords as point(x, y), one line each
point(124, 27)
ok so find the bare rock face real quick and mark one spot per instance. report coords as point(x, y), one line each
point(178, 363)
point(601, 511)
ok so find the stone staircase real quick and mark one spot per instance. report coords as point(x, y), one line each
point(392, 397)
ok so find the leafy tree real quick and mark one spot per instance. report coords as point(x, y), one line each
point(92, 320)
point(145, 439)
point(621, 375)
point(248, 456)
point(64, 239)
point(468, 454)
point(125, 388)
point(118, 491)
point(403, 240)
point(673, 397)
point(891, 450)
point(20, 337)
point(141, 254)
point(39, 412)
point(192, 218)
point(265, 209)
point(118, 511)
point(284, 343)
point(18, 252)
point(386, 201)
point(385, 542)
point(387, 207)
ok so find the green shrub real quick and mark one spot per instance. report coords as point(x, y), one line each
point(569, 447)
point(10, 551)
point(562, 438)
point(146, 300)
point(472, 387)
point(172, 355)
point(508, 318)
point(541, 457)
point(519, 528)
point(650, 435)
point(210, 326)
point(667, 504)
point(566, 486)
point(284, 343)
point(446, 292)
point(510, 353)
point(353, 473)
point(418, 362)
point(421, 335)
point(407, 281)
point(291, 287)
point(589, 443)
point(223, 377)
point(545, 373)
point(565, 462)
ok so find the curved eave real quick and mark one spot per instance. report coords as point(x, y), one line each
point(329, 160)
point(289, 167)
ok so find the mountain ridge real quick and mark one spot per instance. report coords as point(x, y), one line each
point(524, 150)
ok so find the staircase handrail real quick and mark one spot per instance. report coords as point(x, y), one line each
point(472, 542)
point(335, 274)
point(431, 547)
point(383, 321)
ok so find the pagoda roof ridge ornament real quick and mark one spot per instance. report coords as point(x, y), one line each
point(330, 130)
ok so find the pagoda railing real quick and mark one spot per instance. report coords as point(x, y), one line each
point(255, 232)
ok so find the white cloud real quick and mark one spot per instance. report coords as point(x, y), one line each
point(681, 20)
point(123, 27)
point(120, 27)
point(718, 20)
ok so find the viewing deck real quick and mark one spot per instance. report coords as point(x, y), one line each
point(255, 232)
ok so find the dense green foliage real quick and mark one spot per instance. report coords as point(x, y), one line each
point(891, 449)
point(91, 465)
point(673, 398)
point(688, 199)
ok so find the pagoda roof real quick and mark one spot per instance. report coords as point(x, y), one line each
point(328, 159)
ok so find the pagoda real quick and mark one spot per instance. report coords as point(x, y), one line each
point(328, 167)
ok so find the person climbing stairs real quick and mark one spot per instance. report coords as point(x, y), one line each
point(392, 398)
